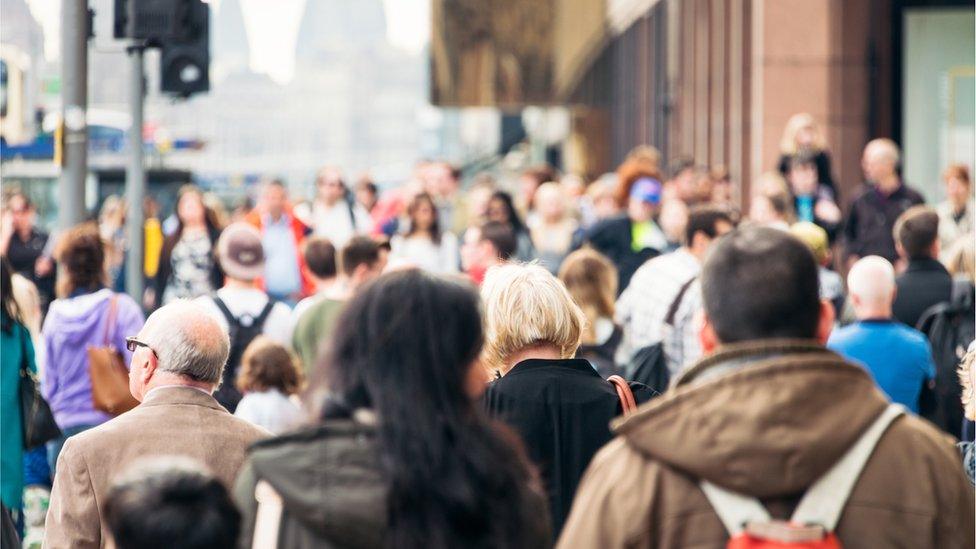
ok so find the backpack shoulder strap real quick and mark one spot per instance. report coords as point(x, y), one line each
point(733, 509)
point(267, 520)
point(265, 312)
point(231, 319)
point(627, 401)
point(825, 500)
point(676, 304)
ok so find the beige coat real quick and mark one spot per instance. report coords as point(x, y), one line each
point(172, 421)
point(766, 420)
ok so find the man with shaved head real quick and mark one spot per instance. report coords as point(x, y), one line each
point(880, 201)
point(177, 362)
point(898, 357)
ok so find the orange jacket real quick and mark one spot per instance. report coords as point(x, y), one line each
point(300, 231)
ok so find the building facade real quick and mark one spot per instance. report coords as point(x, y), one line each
point(717, 80)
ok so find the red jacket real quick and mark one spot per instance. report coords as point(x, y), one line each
point(300, 231)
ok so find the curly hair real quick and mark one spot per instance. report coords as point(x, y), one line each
point(268, 365)
point(967, 375)
point(628, 173)
point(81, 253)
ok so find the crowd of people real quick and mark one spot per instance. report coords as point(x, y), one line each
point(502, 364)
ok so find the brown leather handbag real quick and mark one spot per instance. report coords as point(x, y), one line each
point(627, 401)
point(109, 376)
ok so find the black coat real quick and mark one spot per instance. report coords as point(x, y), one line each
point(612, 238)
point(562, 411)
point(924, 283)
point(868, 230)
point(822, 160)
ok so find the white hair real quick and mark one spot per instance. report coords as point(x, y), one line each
point(188, 341)
point(885, 148)
point(872, 279)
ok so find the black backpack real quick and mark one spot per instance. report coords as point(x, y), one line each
point(243, 330)
point(950, 328)
point(649, 365)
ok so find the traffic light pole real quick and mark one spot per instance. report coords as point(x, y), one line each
point(135, 177)
point(74, 106)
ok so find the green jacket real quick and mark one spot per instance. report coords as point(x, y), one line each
point(13, 345)
point(314, 327)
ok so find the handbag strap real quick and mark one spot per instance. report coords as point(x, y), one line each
point(626, 396)
point(267, 521)
point(113, 307)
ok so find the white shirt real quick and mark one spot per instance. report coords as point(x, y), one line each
point(270, 409)
point(641, 309)
point(251, 301)
point(423, 253)
point(334, 222)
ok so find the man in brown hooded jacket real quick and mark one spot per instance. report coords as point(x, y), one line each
point(766, 413)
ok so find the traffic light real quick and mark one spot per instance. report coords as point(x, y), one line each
point(153, 21)
point(185, 59)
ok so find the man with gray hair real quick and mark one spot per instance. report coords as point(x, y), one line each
point(177, 361)
point(897, 357)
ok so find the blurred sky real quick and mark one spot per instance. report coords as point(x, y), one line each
point(272, 27)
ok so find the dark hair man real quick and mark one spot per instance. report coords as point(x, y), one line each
point(643, 307)
point(484, 247)
point(925, 281)
point(359, 262)
point(766, 415)
point(171, 503)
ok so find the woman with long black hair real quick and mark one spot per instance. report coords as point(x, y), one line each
point(402, 457)
point(187, 262)
point(424, 244)
point(501, 208)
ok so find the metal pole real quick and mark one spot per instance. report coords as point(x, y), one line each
point(135, 179)
point(74, 105)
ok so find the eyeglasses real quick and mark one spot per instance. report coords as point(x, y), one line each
point(131, 343)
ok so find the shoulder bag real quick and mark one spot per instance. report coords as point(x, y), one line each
point(38, 422)
point(109, 376)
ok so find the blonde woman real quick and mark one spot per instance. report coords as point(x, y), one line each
point(558, 404)
point(803, 135)
point(552, 229)
point(592, 281)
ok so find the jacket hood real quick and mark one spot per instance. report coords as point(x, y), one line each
point(329, 479)
point(764, 419)
point(78, 319)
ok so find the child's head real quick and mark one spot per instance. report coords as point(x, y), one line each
point(267, 365)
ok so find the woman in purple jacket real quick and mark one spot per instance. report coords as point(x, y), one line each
point(78, 319)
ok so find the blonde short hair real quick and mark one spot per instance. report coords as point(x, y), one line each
point(525, 306)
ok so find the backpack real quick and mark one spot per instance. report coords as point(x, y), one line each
point(950, 328)
point(813, 522)
point(649, 364)
point(242, 330)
